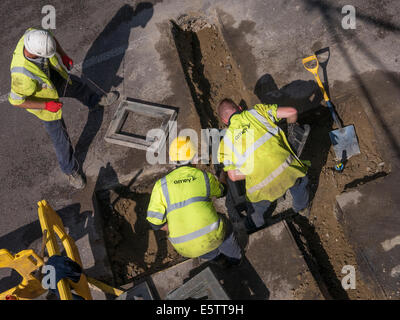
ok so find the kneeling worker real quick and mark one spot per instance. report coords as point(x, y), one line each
point(255, 149)
point(181, 204)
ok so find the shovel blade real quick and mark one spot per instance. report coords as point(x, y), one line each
point(345, 143)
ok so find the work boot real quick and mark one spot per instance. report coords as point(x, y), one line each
point(76, 180)
point(234, 263)
point(109, 99)
point(306, 211)
point(249, 225)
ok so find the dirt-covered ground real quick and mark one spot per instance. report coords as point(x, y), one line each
point(324, 235)
point(134, 249)
point(212, 74)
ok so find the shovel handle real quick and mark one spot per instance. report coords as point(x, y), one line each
point(314, 71)
point(311, 58)
point(334, 115)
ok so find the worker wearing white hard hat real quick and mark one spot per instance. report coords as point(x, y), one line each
point(39, 77)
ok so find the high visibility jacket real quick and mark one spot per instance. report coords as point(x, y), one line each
point(183, 200)
point(29, 81)
point(258, 148)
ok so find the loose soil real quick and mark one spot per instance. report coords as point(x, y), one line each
point(134, 249)
point(210, 70)
point(325, 237)
point(212, 74)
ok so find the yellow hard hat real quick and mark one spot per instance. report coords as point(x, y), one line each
point(182, 149)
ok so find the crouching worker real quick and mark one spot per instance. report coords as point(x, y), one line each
point(256, 150)
point(181, 204)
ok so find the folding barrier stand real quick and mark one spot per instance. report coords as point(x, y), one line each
point(51, 226)
point(25, 262)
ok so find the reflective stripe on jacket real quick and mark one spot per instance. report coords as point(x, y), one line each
point(255, 145)
point(183, 200)
point(29, 81)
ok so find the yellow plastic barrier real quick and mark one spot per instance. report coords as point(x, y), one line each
point(24, 262)
point(51, 222)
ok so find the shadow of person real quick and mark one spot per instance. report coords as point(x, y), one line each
point(102, 62)
point(300, 94)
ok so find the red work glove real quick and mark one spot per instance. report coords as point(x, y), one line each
point(53, 106)
point(67, 62)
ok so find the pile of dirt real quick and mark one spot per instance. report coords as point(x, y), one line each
point(134, 249)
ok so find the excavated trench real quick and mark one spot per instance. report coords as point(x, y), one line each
point(212, 74)
point(133, 248)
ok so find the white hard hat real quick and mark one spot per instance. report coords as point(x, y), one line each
point(40, 43)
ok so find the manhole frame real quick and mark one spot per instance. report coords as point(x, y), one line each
point(148, 109)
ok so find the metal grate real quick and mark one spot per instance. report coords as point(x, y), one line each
point(144, 116)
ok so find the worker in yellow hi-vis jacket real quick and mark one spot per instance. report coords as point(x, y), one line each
point(181, 204)
point(38, 80)
point(254, 148)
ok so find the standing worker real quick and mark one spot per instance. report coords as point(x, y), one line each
point(38, 79)
point(181, 204)
point(256, 150)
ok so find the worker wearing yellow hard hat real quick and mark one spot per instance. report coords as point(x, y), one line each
point(181, 204)
point(182, 149)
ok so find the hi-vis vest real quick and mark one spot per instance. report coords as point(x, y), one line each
point(258, 148)
point(183, 200)
point(29, 81)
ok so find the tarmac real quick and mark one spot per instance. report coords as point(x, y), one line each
point(127, 46)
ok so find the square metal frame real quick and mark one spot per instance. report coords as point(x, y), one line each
point(153, 143)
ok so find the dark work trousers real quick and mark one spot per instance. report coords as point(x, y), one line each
point(57, 130)
point(230, 248)
point(300, 196)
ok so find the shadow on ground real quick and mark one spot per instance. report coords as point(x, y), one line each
point(188, 47)
point(239, 283)
point(104, 74)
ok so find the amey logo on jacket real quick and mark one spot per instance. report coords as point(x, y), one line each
point(189, 179)
point(246, 127)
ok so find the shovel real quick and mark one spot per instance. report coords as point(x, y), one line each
point(344, 139)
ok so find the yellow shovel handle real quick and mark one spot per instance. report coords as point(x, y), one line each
point(314, 71)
